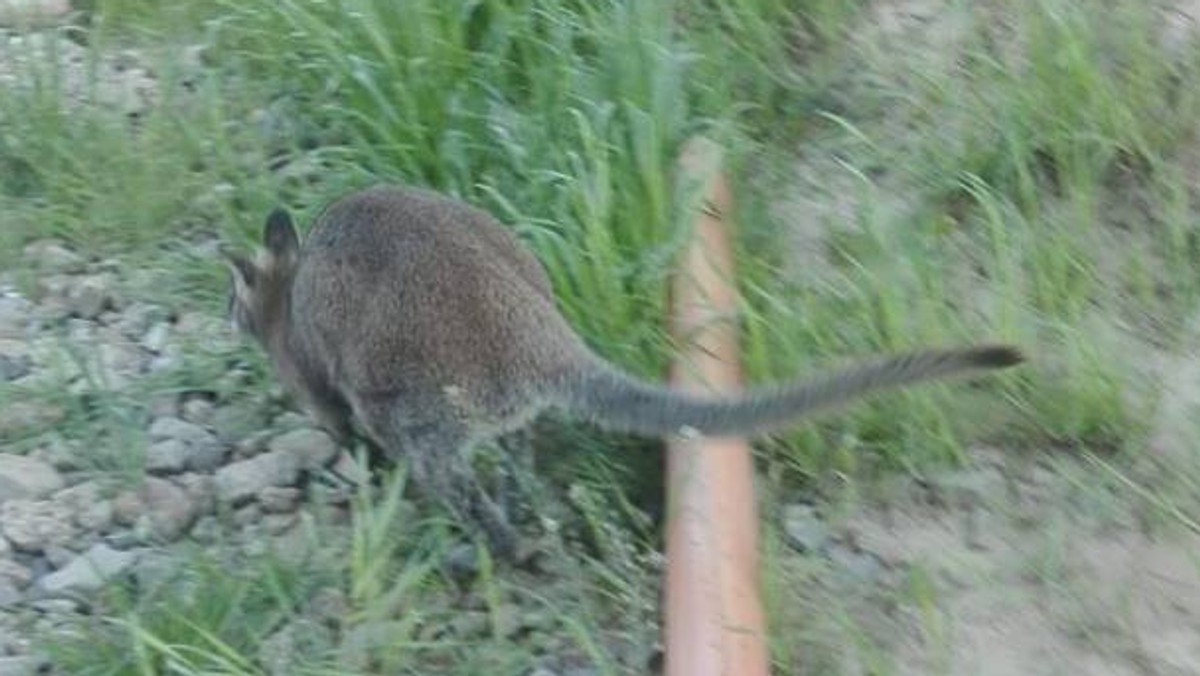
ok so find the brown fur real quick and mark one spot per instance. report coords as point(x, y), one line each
point(423, 320)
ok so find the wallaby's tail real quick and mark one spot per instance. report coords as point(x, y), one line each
point(614, 399)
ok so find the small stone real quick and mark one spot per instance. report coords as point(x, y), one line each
point(279, 499)
point(91, 295)
point(56, 607)
point(167, 508)
point(470, 624)
point(92, 510)
point(278, 524)
point(10, 596)
point(329, 605)
point(19, 418)
point(15, 368)
point(204, 451)
point(207, 530)
point(290, 420)
point(49, 255)
point(59, 454)
point(138, 319)
point(248, 515)
point(169, 456)
point(96, 518)
point(155, 339)
point(862, 567)
point(154, 568)
point(163, 405)
point(16, 314)
point(202, 490)
point(804, 530)
point(198, 410)
point(119, 363)
point(25, 478)
point(33, 525)
point(15, 574)
point(243, 480)
point(314, 448)
point(58, 556)
point(22, 665)
point(239, 425)
point(87, 572)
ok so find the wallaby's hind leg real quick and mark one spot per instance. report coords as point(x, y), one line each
point(518, 485)
point(435, 453)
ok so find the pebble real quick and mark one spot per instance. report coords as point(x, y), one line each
point(87, 572)
point(279, 499)
point(160, 509)
point(18, 418)
point(804, 530)
point(244, 479)
point(33, 525)
point(204, 452)
point(22, 477)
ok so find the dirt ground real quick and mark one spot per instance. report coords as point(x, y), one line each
point(1026, 562)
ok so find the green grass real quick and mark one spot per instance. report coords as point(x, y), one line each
point(1023, 176)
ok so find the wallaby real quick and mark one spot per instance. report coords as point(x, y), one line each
point(425, 321)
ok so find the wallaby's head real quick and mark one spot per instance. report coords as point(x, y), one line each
point(259, 294)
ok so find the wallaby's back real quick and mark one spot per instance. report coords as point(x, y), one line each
point(403, 288)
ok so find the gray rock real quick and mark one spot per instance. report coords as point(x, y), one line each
point(861, 567)
point(92, 510)
point(279, 499)
point(22, 665)
point(287, 651)
point(168, 511)
point(155, 339)
point(19, 418)
point(169, 456)
point(202, 490)
point(54, 607)
point(15, 367)
point(138, 319)
point(33, 525)
point(234, 424)
point(16, 313)
point(314, 448)
point(207, 530)
point(91, 295)
point(96, 518)
point(119, 363)
point(278, 524)
point(25, 478)
point(290, 420)
point(243, 480)
point(10, 596)
point(58, 556)
point(15, 574)
point(87, 572)
point(198, 410)
point(247, 516)
point(60, 454)
point(804, 530)
point(50, 255)
point(204, 451)
point(5, 548)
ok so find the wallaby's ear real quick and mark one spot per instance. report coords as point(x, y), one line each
point(279, 235)
point(244, 272)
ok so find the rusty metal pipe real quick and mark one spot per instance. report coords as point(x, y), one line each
point(714, 622)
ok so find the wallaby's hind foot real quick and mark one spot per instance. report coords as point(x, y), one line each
point(434, 450)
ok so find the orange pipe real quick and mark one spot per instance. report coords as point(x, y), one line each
point(714, 622)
